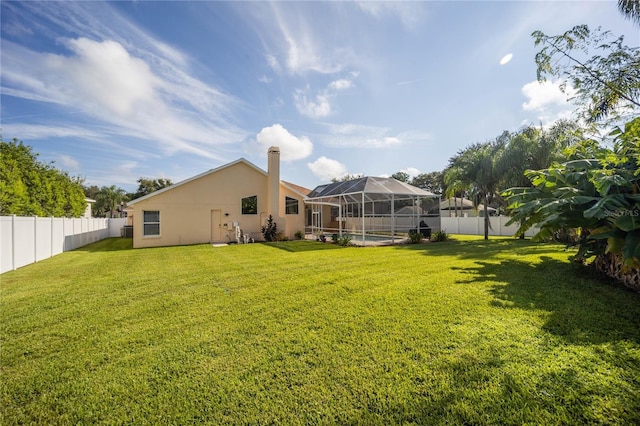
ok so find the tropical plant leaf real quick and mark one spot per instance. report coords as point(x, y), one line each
point(632, 245)
point(615, 245)
point(607, 206)
point(628, 222)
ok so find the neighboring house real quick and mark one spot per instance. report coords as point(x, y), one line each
point(214, 206)
point(87, 211)
point(463, 207)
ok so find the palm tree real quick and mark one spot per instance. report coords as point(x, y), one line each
point(630, 9)
point(109, 197)
point(535, 148)
point(474, 169)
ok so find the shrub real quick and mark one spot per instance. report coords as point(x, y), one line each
point(299, 235)
point(597, 197)
point(414, 237)
point(270, 230)
point(440, 236)
point(344, 240)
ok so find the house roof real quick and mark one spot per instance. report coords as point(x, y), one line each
point(174, 186)
point(455, 203)
point(302, 191)
point(369, 185)
point(299, 189)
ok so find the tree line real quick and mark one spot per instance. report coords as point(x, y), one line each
point(110, 200)
point(30, 187)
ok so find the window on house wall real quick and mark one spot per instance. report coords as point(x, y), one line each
point(290, 205)
point(150, 223)
point(250, 205)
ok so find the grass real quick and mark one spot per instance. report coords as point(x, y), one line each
point(461, 332)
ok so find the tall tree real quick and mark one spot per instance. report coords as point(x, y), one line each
point(147, 186)
point(346, 178)
point(401, 176)
point(474, 169)
point(534, 148)
point(30, 187)
point(108, 199)
point(432, 182)
point(630, 9)
point(606, 85)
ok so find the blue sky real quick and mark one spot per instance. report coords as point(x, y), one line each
point(116, 91)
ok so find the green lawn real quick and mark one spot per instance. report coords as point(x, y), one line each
point(473, 332)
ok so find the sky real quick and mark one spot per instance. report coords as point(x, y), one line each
point(115, 91)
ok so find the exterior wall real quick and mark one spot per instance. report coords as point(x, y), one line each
point(293, 222)
point(87, 210)
point(188, 212)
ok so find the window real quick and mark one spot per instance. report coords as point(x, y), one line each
point(250, 205)
point(290, 205)
point(151, 223)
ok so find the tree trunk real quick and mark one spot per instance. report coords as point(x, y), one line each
point(612, 266)
point(486, 218)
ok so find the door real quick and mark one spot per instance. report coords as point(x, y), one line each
point(316, 221)
point(216, 225)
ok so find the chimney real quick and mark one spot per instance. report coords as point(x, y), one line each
point(273, 181)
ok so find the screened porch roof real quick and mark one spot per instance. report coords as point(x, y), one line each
point(372, 188)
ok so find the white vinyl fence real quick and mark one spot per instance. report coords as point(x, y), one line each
point(475, 226)
point(26, 240)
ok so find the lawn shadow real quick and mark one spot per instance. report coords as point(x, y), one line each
point(302, 246)
point(483, 248)
point(583, 308)
point(108, 244)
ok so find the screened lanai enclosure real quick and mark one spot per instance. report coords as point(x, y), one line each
point(371, 209)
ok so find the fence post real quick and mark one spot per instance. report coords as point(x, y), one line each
point(13, 242)
point(35, 239)
point(52, 235)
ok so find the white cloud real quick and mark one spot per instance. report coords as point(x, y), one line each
point(320, 106)
point(506, 59)
point(105, 76)
point(408, 82)
point(326, 169)
point(314, 108)
point(264, 79)
point(547, 101)
point(409, 13)
point(36, 131)
point(105, 82)
point(68, 162)
point(543, 94)
point(350, 135)
point(304, 42)
point(341, 84)
point(411, 171)
point(123, 81)
point(121, 175)
point(273, 63)
point(291, 147)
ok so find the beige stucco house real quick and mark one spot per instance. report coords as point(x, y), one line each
point(216, 205)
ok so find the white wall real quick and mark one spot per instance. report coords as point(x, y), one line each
point(475, 226)
point(25, 240)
